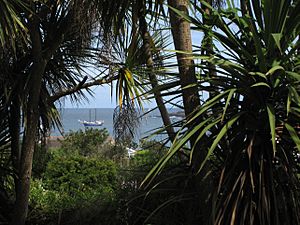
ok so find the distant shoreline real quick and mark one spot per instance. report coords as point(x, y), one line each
point(54, 141)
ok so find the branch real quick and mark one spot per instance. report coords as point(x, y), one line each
point(80, 86)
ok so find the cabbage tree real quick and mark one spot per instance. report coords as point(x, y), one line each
point(59, 49)
point(250, 128)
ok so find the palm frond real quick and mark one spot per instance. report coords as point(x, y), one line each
point(242, 126)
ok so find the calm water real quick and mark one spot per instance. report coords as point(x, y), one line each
point(70, 117)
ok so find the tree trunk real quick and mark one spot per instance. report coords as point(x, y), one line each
point(31, 118)
point(15, 129)
point(182, 40)
point(154, 83)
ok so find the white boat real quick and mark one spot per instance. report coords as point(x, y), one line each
point(91, 123)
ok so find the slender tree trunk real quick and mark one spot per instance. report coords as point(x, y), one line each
point(31, 118)
point(152, 77)
point(162, 108)
point(14, 129)
point(183, 42)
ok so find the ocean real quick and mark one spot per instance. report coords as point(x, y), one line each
point(70, 117)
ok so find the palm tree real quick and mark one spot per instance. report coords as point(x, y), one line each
point(250, 129)
point(148, 53)
point(51, 65)
point(11, 24)
point(41, 52)
point(183, 44)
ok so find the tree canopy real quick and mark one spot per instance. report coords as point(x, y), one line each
point(237, 145)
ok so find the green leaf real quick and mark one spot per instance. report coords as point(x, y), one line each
point(232, 91)
point(259, 48)
point(294, 135)
point(295, 111)
point(293, 75)
point(274, 69)
point(261, 84)
point(277, 37)
point(258, 74)
point(257, 11)
point(288, 105)
point(183, 15)
point(203, 132)
point(294, 96)
point(271, 115)
point(219, 137)
point(208, 104)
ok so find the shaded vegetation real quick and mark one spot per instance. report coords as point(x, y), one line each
point(88, 187)
point(234, 157)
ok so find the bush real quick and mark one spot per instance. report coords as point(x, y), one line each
point(151, 153)
point(71, 184)
point(77, 174)
point(85, 142)
point(91, 143)
point(83, 186)
point(40, 159)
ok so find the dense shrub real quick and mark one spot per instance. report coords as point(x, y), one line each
point(91, 143)
point(76, 174)
point(81, 185)
point(150, 153)
point(86, 143)
point(71, 184)
point(42, 156)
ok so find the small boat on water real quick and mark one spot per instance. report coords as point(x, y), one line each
point(91, 123)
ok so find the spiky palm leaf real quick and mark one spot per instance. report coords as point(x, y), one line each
point(128, 65)
point(12, 26)
point(251, 126)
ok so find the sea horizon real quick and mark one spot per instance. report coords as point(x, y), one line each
point(70, 120)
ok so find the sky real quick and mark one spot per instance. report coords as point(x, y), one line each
point(101, 99)
point(102, 94)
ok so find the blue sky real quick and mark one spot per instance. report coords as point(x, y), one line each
point(102, 94)
point(101, 99)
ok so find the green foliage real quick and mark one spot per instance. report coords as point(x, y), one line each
point(144, 158)
point(79, 181)
point(41, 157)
point(86, 143)
point(150, 154)
point(78, 174)
point(250, 122)
point(73, 177)
point(167, 202)
point(11, 24)
point(70, 184)
point(91, 143)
